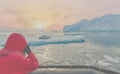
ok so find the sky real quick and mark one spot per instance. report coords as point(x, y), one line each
point(52, 14)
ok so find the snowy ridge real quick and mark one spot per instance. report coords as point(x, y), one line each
point(104, 23)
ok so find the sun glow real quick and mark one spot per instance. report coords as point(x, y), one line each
point(39, 26)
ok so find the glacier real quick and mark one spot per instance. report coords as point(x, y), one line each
point(110, 22)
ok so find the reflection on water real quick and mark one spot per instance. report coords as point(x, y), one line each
point(107, 39)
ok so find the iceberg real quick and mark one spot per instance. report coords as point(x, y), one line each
point(58, 40)
point(108, 22)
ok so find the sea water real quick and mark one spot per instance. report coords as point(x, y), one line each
point(100, 49)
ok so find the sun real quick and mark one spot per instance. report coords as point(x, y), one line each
point(39, 26)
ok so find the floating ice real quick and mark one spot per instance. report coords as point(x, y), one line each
point(58, 40)
point(111, 59)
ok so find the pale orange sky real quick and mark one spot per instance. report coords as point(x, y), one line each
point(52, 14)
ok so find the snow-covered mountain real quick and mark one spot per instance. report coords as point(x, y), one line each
point(103, 23)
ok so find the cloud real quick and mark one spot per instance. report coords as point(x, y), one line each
point(53, 13)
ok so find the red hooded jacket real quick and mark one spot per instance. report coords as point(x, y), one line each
point(12, 58)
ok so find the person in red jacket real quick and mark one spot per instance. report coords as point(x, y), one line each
point(13, 59)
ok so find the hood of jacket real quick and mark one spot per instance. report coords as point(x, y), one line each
point(15, 43)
